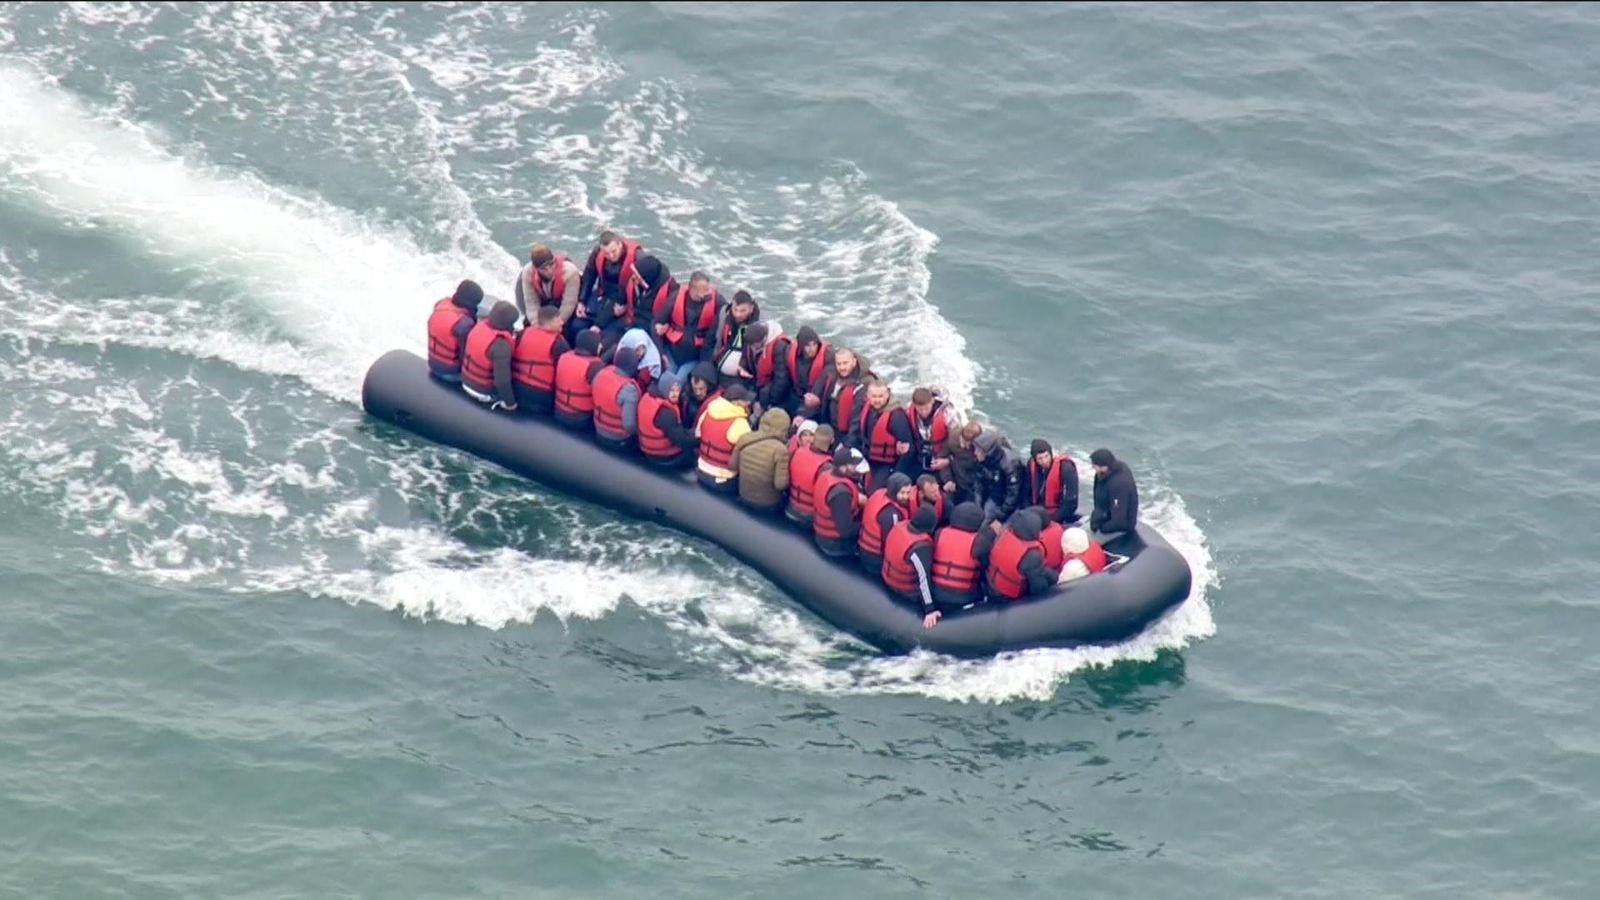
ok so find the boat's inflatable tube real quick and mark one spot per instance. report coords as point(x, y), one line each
point(1103, 608)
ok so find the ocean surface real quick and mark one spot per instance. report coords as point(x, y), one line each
point(1326, 276)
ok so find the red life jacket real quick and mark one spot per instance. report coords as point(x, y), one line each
point(531, 364)
point(880, 441)
point(1050, 543)
point(1005, 565)
point(955, 566)
point(715, 448)
point(443, 348)
point(677, 324)
point(821, 514)
point(937, 426)
point(628, 276)
point(842, 402)
point(938, 504)
point(793, 361)
point(607, 385)
point(558, 284)
point(1094, 558)
point(870, 540)
point(805, 464)
point(574, 394)
point(653, 441)
point(477, 371)
point(1051, 500)
point(897, 546)
point(767, 362)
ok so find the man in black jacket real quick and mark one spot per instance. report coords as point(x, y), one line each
point(999, 475)
point(602, 301)
point(1116, 497)
point(839, 503)
point(1061, 504)
point(1026, 526)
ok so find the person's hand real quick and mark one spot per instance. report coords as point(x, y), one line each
point(995, 526)
point(902, 447)
point(745, 373)
point(594, 328)
point(949, 487)
point(931, 619)
point(619, 309)
point(661, 328)
point(940, 463)
point(813, 399)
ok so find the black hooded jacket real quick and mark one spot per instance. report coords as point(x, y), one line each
point(1000, 480)
point(795, 398)
point(838, 500)
point(1116, 500)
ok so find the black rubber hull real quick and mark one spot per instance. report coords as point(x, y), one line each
point(1104, 608)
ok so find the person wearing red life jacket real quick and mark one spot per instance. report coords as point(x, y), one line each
point(1076, 547)
point(1050, 540)
point(663, 439)
point(804, 363)
point(723, 421)
point(808, 458)
point(928, 493)
point(884, 507)
point(882, 431)
point(1016, 560)
point(930, 422)
point(620, 287)
point(1050, 480)
point(766, 352)
point(616, 402)
point(908, 563)
point(448, 326)
point(960, 557)
point(841, 392)
point(749, 359)
point(486, 359)
point(549, 280)
point(737, 317)
point(574, 397)
point(685, 321)
point(533, 362)
point(836, 506)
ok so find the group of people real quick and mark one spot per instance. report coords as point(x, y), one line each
point(946, 513)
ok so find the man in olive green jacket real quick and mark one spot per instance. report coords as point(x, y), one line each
point(761, 458)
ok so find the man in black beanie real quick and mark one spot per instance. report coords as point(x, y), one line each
point(1050, 480)
point(908, 560)
point(1116, 497)
point(836, 506)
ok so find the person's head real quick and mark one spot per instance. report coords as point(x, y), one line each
point(878, 394)
point(667, 387)
point(1074, 540)
point(611, 245)
point(627, 363)
point(544, 261)
point(755, 337)
point(968, 434)
point(967, 516)
point(986, 445)
point(822, 439)
point(844, 362)
point(1042, 454)
point(701, 378)
point(924, 520)
point(504, 315)
point(1102, 460)
point(808, 342)
point(588, 343)
point(922, 400)
point(737, 395)
point(548, 318)
point(844, 463)
point(900, 488)
point(699, 286)
point(928, 487)
point(468, 295)
point(744, 306)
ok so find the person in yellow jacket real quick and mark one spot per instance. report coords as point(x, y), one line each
point(721, 424)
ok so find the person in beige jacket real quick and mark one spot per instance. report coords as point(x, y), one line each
point(761, 458)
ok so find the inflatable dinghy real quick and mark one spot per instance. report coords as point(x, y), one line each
point(1106, 607)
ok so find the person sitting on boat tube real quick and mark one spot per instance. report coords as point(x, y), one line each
point(908, 560)
point(721, 424)
point(811, 454)
point(533, 362)
point(960, 556)
point(448, 327)
point(702, 389)
point(662, 438)
point(836, 505)
point(548, 281)
point(574, 371)
point(486, 363)
point(1116, 497)
point(684, 322)
point(620, 287)
point(884, 433)
point(884, 507)
point(616, 401)
point(1016, 561)
point(1050, 480)
point(761, 459)
point(1077, 547)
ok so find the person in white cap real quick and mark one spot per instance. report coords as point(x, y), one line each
point(1077, 547)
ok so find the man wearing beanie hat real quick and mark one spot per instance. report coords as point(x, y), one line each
point(486, 360)
point(810, 453)
point(1051, 481)
point(1116, 497)
point(448, 327)
point(884, 507)
point(836, 505)
point(548, 280)
point(999, 475)
point(908, 560)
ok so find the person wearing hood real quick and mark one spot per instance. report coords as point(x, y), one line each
point(1051, 481)
point(836, 506)
point(999, 475)
point(766, 348)
point(684, 321)
point(884, 507)
point(621, 284)
point(736, 318)
point(1116, 497)
point(908, 561)
point(486, 364)
point(548, 281)
point(533, 362)
point(1077, 547)
point(722, 423)
point(616, 402)
point(883, 432)
point(761, 461)
point(448, 326)
point(808, 458)
point(701, 391)
point(574, 371)
point(662, 438)
point(804, 363)
point(646, 354)
point(1016, 561)
point(960, 555)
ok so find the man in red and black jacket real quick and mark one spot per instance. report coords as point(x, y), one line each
point(1050, 480)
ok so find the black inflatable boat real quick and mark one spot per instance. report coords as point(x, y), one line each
point(1103, 608)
